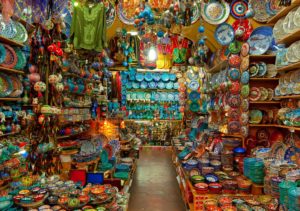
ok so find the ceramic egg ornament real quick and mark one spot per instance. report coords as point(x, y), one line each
point(53, 79)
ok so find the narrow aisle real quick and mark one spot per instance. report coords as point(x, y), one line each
point(155, 187)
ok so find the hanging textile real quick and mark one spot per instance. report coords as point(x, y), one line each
point(88, 29)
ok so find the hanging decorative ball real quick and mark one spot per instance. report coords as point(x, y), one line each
point(201, 29)
point(201, 42)
point(160, 33)
point(201, 52)
point(125, 64)
point(124, 32)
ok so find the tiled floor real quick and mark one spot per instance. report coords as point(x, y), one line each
point(155, 187)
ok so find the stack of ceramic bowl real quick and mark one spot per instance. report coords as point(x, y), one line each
point(227, 158)
point(294, 199)
point(293, 175)
point(190, 164)
point(288, 24)
point(275, 181)
point(254, 169)
point(289, 83)
point(284, 187)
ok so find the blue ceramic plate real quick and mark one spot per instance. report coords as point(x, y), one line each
point(171, 97)
point(135, 85)
point(194, 96)
point(163, 96)
point(234, 74)
point(148, 77)
point(156, 77)
point(176, 85)
point(224, 34)
point(139, 77)
point(161, 85)
point(260, 40)
point(194, 107)
point(144, 85)
point(152, 85)
point(262, 69)
point(169, 85)
point(172, 77)
point(165, 77)
point(194, 85)
point(245, 77)
point(129, 85)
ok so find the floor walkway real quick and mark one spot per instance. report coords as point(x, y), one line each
point(155, 187)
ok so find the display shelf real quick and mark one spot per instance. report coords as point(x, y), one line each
point(10, 99)
point(152, 120)
point(264, 79)
point(9, 134)
point(78, 76)
point(288, 97)
point(275, 125)
point(266, 58)
point(10, 42)
point(290, 67)
point(290, 38)
point(264, 102)
point(218, 67)
point(4, 69)
point(283, 12)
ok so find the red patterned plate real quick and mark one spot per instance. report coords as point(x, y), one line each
point(234, 114)
point(235, 88)
point(234, 101)
point(234, 60)
point(245, 25)
point(254, 94)
point(11, 58)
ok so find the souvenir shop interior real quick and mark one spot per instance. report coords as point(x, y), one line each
point(150, 105)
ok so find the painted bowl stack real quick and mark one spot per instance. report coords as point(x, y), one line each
point(254, 170)
point(294, 199)
point(284, 187)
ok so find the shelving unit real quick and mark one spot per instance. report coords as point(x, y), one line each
point(264, 102)
point(283, 12)
point(10, 42)
point(290, 67)
point(264, 79)
point(218, 67)
point(290, 38)
point(4, 69)
point(10, 99)
point(275, 125)
point(288, 97)
point(265, 58)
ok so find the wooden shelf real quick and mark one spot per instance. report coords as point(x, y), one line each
point(10, 42)
point(290, 38)
point(288, 97)
point(10, 99)
point(218, 67)
point(12, 70)
point(264, 79)
point(284, 12)
point(8, 134)
point(289, 67)
point(269, 58)
point(264, 102)
point(277, 126)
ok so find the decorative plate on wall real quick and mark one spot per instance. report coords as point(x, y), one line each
point(238, 8)
point(224, 34)
point(215, 12)
point(126, 10)
point(110, 12)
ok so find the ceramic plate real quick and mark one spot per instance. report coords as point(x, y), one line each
point(224, 34)
point(245, 77)
point(234, 60)
point(165, 77)
point(260, 40)
point(245, 49)
point(245, 63)
point(194, 107)
point(2, 53)
point(255, 116)
point(126, 11)
point(214, 12)
point(234, 127)
point(262, 69)
point(260, 12)
point(234, 74)
point(194, 96)
point(245, 91)
point(235, 47)
point(245, 105)
point(161, 85)
point(22, 34)
point(245, 26)
point(264, 94)
point(253, 70)
point(234, 101)
point(239, 8)
point(11, 58)
point(193, 85)
point(148, 77)
point(254, 94)
point(139, 77)
point(235, 88)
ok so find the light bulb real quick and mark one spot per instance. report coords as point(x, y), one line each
point(152, 55)
point(76, 4)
